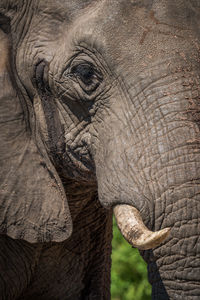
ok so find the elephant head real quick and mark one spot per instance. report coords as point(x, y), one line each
point(106, 94)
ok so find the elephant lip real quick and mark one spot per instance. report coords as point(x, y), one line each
point(134, 231)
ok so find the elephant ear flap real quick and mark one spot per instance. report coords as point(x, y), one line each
point(33, 203)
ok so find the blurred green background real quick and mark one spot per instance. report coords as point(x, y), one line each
point(129, 271)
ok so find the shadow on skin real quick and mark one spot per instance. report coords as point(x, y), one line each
point(158, 288)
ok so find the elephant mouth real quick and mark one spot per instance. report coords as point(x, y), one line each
point(134, 231)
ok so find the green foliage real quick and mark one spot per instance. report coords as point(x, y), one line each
point(129, 271)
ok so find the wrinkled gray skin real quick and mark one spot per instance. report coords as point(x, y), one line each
point(97, 93)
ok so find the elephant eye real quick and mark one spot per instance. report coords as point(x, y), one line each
point(87, 76)
point(85, 73)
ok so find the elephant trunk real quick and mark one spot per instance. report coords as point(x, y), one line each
point(151, 163)
point(134, 231)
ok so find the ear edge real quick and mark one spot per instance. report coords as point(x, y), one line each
point(33, 201)
point(35, 234)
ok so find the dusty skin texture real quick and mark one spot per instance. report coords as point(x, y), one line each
point(99, 107)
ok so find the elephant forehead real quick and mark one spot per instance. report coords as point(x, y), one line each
point(113, 25)
point(114, 12)
point(116, 27)
point(66, 9)
point(125, 30)
point(129, 29)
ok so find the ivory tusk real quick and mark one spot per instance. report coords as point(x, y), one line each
point(134, 231)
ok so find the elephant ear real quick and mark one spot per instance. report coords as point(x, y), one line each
point(33, 203)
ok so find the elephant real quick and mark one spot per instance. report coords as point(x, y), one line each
point(99, 113)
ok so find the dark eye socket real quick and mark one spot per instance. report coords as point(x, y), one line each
point(85, 72)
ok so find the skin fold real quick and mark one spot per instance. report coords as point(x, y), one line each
point(99, 107)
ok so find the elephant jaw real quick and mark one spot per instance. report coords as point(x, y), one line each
point(134, 231)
